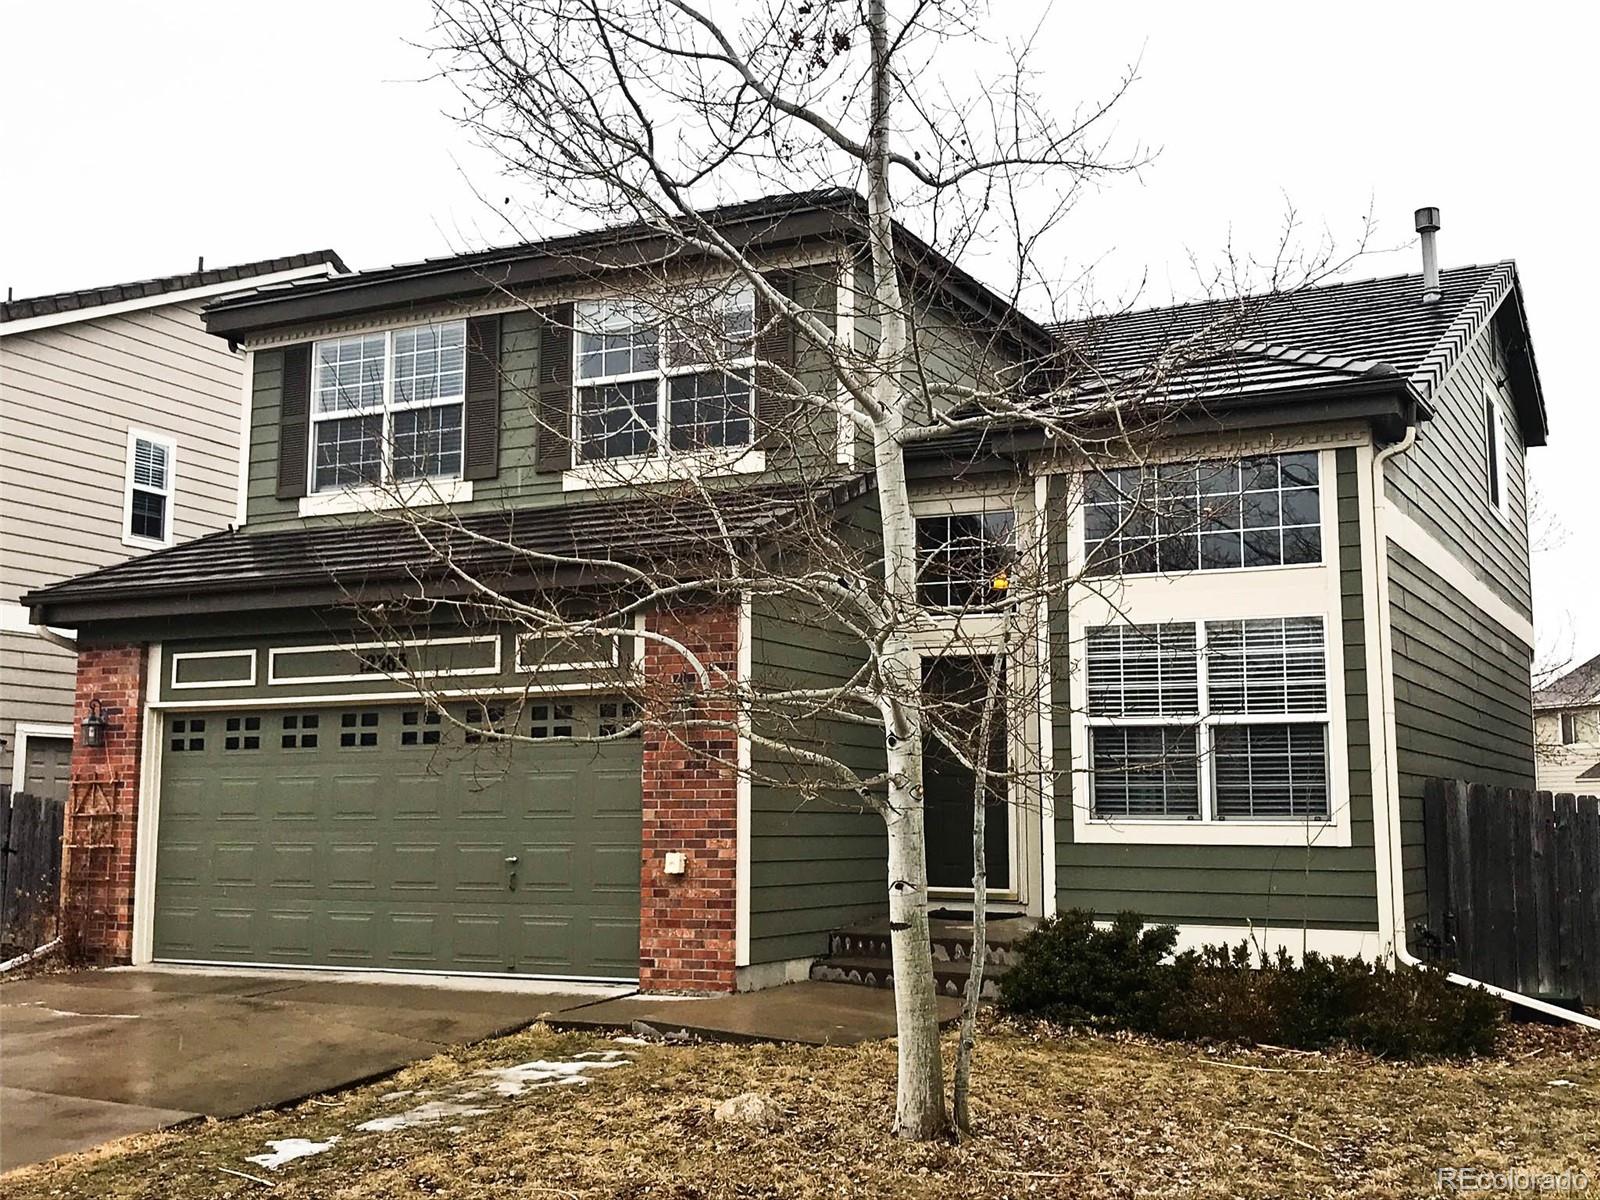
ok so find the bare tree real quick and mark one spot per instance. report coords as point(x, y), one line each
point(645, 114)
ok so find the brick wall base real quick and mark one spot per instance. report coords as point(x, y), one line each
point(688, 922)
point(103, 809)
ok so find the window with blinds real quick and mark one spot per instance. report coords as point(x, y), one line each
point(147, 497)
point(1218, 720)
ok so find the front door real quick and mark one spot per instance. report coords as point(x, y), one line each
point(954, 687)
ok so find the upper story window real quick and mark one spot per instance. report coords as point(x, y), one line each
point(1569, 729)
point(387, 407)
point(1495, 436)
point(1261, 511)
point(1209, 721)
point(647, 383)
point(148, 490)
point(963, 558)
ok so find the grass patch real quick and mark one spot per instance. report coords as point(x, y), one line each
point(1085, 1116)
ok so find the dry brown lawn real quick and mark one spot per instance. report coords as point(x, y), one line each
point(1055, 1116)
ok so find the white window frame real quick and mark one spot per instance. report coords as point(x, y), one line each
point(1567, 722)
point(926, 508)
point(352, 498)
point(1496, 453)
point(663, 373)
point(1234, 593)
point(169, 442)
point(1205, 723)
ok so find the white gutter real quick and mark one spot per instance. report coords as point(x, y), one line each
point(1391, 898)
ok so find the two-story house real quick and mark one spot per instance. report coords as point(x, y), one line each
point(119, 434)
point(1237, 709)
point(1566, 722)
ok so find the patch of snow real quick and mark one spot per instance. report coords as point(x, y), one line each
point(513, 1081)
point(289, 1149)
point(424, 1114)
point(67, 1012)
point(627, 1039)
point(400, 1095)
point(1562, 1083)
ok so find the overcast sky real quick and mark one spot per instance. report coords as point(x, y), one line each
point(139, 136)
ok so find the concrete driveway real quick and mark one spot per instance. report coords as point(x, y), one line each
point(96, 1055)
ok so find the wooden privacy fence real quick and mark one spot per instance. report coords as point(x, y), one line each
point(30, 870)
point(1514, 886)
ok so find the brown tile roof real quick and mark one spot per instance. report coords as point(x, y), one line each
point(525, 543)
point(139, 289)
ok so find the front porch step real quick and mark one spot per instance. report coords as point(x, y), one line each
point(860, 954)
point(950, 978)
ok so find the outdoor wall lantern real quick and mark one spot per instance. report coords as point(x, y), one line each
point(95, 725)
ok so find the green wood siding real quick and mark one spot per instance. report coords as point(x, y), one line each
point(816, 862)
point(518, 483)
point(1281, 887)
point(1443, 481)
point(1463, 702)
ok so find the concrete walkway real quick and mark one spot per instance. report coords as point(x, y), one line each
point(813, 1014)
point(96, 1055)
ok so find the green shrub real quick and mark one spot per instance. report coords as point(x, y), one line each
point(1126, 977)
point(1071, 971)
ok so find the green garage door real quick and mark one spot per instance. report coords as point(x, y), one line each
point(381, 836)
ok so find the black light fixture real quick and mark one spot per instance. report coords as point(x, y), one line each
point(94, 725)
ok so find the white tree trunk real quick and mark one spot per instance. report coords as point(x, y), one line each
point(919, 1101)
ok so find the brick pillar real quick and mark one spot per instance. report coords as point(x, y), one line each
point(103, 808)
point(687, 922)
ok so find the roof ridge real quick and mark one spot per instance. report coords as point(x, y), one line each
point(1469, 322)
point(1307, 290)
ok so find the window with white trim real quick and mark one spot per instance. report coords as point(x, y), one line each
point(1569, 729)
point(387, 407)
point(1259, 511)
point(1494, 436)
point(963, 559)
point(647, 384)
point(1209, 721)
point(147, 498)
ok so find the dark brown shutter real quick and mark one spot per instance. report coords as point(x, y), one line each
point(294, 418)
point(775, 401)
point(481, 425)
point(555, 389)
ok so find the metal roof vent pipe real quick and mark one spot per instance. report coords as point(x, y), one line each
point(1427, 226)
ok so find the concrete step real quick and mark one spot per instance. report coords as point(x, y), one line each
point(950, 945)
point(950, 977)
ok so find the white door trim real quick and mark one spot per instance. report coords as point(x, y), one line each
point(144, 843)
point(19, 756)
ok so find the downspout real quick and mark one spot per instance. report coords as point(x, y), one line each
point(56, 639)
point(1391, 898)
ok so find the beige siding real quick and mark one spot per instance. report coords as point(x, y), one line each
point(1560, 767)
point(68, 396)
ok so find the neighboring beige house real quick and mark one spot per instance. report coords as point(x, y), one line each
point(1566, 727)
point(120, 423)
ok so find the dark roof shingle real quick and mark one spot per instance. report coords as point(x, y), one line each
point(1577, 688)
point(139, 289)
point(646, 532)
point(1295, 339)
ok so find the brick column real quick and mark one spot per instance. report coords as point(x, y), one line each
point(103, 808)
point(688, 922)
